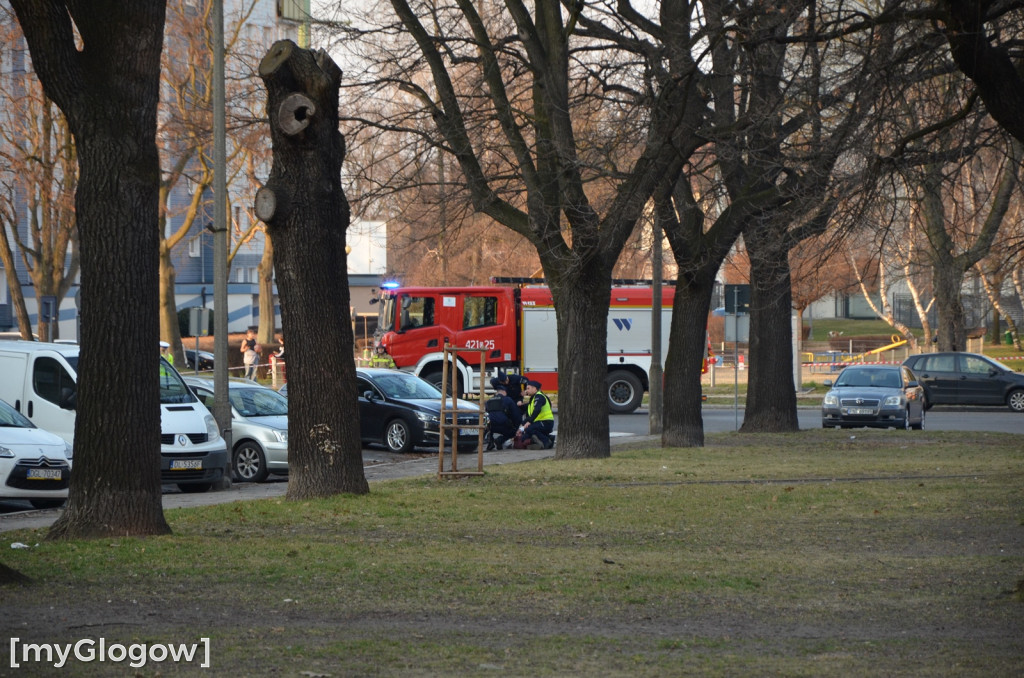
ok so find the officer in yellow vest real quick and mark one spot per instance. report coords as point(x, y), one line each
point(539, 420)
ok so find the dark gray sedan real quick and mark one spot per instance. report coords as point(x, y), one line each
point(879, 396)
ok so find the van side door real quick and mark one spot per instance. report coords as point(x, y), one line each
point(51, 399)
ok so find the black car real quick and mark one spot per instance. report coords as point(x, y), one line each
point(967, 379)
point(885, 396)
point(401, 411)
point(205, 359)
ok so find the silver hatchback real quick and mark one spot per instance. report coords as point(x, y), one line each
point(259, 426)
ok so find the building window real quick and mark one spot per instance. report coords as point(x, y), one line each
point(195, 246)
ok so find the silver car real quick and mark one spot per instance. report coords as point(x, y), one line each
point(259, 426)
point(883, 396)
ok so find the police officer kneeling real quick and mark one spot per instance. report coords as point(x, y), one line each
point(504, 415)
point(539, 420)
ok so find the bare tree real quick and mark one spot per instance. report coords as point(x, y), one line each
point(984, 38)
point(37, 186)
point(185, 137)
point(513, 130)
point(100, 63)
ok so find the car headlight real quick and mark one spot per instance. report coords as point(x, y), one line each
point(428, 418)
point(281, 436)
point(831, 399)
point(893, 400)
point(69, 451)
point(4, 452)
point(212, 432)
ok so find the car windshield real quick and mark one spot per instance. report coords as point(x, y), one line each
point(406, 386)
point(10, 417)
point(172, 389)
point(869, 377)
point(258, 402)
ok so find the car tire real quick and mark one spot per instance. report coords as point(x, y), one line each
point(625, 392)
point(249, 463)
point(194, 488)
point(398, 436)
point(919, 426)
point(46, 503)
point(1015, 400)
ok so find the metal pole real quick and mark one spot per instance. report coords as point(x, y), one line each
point(221, 406)
point(655, 374)
point(736, 354)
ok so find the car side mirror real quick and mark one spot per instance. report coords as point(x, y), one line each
point(827, 382)
point(368, 395)
point(68, 398)
point(913, 384)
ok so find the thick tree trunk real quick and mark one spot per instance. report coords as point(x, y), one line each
point(110, 101)
point(582, 300)
point(947, 280)
point(771, 395)
point(683, 422)
point(306, 214)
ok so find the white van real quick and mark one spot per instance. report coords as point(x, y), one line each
point(40, 381)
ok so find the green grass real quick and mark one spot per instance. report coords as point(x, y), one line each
point(824, 553)
point(850, 327)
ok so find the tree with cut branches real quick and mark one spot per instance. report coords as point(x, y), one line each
point(100, 63)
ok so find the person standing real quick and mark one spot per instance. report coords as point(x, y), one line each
point(250, 354)
point(165, 352)
point(539, 420)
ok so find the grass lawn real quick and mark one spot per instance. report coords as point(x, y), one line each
point(819, 553)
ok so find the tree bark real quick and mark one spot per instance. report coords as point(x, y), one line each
point(771, 394)
point(683, 421)
point(109, 89)
point(324, 449)
point(583, 431)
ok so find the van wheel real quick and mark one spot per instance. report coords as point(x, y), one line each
point(434, 379)
point(625, 392)
point(398, 436)
point(249, 463)
point(46, 503)
point(194, 488)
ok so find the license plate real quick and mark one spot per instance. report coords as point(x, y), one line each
point(186, 464)
point(466, 432)
point(44, 474)
point(861, 410)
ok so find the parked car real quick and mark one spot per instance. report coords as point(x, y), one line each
point(967, 379)
point(401, 411)
point(34, 464)
point(881, 396)
point(205, 359)
point(259, 427)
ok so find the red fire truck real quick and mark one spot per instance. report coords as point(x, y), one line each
point(516, 326)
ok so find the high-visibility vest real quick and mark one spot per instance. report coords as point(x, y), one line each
point(545, 413)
